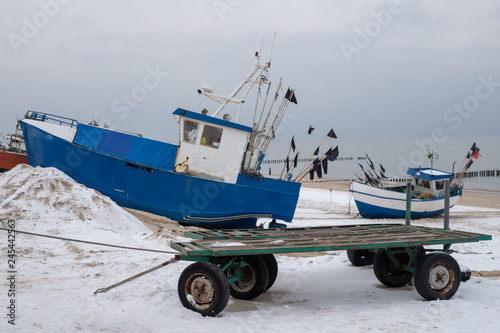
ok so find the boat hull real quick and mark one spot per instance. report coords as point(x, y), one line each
point(373, 202)
point(9, 160)
point(187, 199)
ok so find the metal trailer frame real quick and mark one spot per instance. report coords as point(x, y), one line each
point(241, 263)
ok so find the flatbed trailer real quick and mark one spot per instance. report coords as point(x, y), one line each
point(241, 263)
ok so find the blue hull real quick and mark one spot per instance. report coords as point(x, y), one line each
point(377, 212)
point(180, 197)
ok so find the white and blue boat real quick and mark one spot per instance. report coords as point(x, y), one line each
point(210, 178)
point(383, 200)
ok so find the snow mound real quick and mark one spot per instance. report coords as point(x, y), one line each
point(53, 200)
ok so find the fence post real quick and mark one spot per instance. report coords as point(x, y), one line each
point(408, 203)
point(447, 204)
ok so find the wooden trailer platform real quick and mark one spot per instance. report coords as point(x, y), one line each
point(241, 263)
point(221, 243)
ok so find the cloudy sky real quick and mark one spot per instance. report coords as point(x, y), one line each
point(369, 69)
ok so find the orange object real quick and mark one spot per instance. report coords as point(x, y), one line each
point(9, 160)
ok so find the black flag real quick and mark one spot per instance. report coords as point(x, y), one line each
point(293, 144)
point(381, 167)
point(332, 154)
point(318, 170)
point(331, 134)
point(316, 152)
point(287, 164)
point(371, 163)
point(468, 155)
point(473, 148)
point(311, 174)
point(368, 177)
point(311, 129)
point(324, 163)
point(295, 160)
point(317, 167)
point(361, 167)
point(290, 95)
point(272, 132)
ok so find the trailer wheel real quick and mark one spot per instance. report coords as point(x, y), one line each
point(253, 279)
point(386, 271)
point(437, 276)
point(360, 257)
point(272, 268)
point(203, 288)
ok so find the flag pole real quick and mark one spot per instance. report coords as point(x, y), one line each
point(268, 114)
point(284, 164)
point(300, 151)
point(310, 168)
point(309, 159)
point(320, 159)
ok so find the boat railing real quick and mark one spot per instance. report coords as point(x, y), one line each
point(47, 117)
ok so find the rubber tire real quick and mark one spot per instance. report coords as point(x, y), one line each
point(429, 266)
point(214, 278)
point(360, 257)
point(385, 271)
point(253, 282)
point(272, 268)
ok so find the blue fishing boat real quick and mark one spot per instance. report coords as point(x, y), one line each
point(210, 178)
point(376, 196)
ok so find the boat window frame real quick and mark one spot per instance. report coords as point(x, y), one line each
point(210, 135)
point(190, 136)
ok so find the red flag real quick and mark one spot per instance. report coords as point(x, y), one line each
point(476, 154)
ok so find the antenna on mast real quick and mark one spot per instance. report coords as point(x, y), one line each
point(271, 52)
point(94, 121)
point(261, 47)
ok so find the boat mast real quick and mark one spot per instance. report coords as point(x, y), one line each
point(431, 156)
point(254, 76)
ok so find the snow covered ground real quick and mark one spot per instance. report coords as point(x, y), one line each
point(56, 280)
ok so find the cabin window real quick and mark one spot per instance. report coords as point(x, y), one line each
point(427, 184)
point(211, 136)
point(439, 185)
point(190, 132)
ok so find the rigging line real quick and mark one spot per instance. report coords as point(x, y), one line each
point(272, 104)
point(272, 46)
point(255, 130)
point(283, 107)
point(268, 138)
point(260, 132)
point(88, 242)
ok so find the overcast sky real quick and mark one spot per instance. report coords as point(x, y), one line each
point(368, 69)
